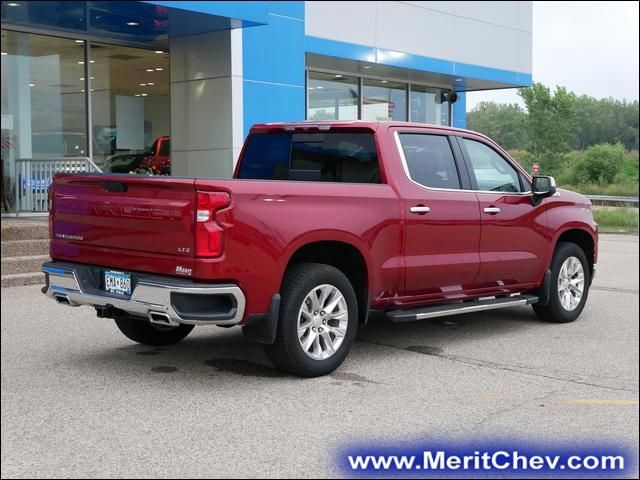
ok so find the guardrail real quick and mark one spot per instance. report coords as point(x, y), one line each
point(34, 175)
point(613, 201)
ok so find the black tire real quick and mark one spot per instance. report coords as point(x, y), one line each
point(142, 331)
point(554, 311)
point(286, 352)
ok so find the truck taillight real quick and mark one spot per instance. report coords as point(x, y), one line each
point(209, 235)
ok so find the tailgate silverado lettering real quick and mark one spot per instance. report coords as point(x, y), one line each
point(174, 212)
point(149, 215)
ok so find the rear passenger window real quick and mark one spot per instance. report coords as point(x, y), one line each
point(430, 160)
point(320, 157)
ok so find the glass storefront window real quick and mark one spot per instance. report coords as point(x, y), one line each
point(332, 97)
point(130, 107)
point(384, 100)
point(44, 117)
point(43, 104)
point(429, 105)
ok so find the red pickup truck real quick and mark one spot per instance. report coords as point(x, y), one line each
point(321, 223)
point(159, 155)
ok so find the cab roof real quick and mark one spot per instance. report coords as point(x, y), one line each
point(350, 124)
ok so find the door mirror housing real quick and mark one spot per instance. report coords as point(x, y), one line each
point(542, 187)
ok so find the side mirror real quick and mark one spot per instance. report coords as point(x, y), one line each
point(542, 187)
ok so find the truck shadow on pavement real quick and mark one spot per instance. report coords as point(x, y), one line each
point(451, 330)
point(223, 352)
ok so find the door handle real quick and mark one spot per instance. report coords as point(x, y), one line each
point(492, 210)
point(420, 209)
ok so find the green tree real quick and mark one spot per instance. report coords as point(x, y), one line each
point(606, 120)
point(596, 121)
point(600, 164)
point(551, 119)
point(504, 123)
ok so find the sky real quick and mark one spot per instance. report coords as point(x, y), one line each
point(589, 47)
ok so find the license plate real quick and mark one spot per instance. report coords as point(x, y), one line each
point(117, 282)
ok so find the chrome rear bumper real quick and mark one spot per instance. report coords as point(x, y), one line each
point(163, 300)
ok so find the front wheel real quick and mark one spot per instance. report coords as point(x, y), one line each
point(570, 281)
point(141, 331)
point(317, 323)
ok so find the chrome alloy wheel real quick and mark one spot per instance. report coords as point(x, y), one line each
point(322, 322)
point(571, 284)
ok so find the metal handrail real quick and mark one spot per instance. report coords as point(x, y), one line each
point(87, 160)
point(34, 175)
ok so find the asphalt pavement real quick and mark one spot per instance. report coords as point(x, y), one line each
point(79, 399)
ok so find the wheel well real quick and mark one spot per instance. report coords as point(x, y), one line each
point(344, 257)
point(583, 240)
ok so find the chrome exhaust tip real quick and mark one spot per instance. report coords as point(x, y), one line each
point(161, 318)
point(62, 299)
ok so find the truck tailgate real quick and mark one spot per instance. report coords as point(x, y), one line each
point(125, 213)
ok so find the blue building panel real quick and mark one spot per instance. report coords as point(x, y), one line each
point(459, 111)
point(252, 12)
point(334, 48)
point(273, 67)
point(152, 20)
point(274, 53)
point(362, 53)
point(271, 102)
point(516, 79)
point(415, 62)
point(287, 9)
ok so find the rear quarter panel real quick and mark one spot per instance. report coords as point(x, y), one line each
point(268, 221)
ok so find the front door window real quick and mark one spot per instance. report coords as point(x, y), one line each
point(492, 172)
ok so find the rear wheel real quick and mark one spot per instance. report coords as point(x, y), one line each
point(570, 280)
point(317, 323)
point(141, 331)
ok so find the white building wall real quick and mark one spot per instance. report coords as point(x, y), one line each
point(206, 104)
point(488, 34)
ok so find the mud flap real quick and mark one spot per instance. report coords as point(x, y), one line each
point(262, 328)
point(544, 292)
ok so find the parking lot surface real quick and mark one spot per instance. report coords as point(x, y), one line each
point(79, 399)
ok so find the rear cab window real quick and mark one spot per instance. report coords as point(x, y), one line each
point(348, 157)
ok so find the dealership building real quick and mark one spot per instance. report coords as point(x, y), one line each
point(99, 82)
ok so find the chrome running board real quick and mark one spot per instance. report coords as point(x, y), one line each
point(435, 311)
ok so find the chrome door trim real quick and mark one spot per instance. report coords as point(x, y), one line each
point(403, 159)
